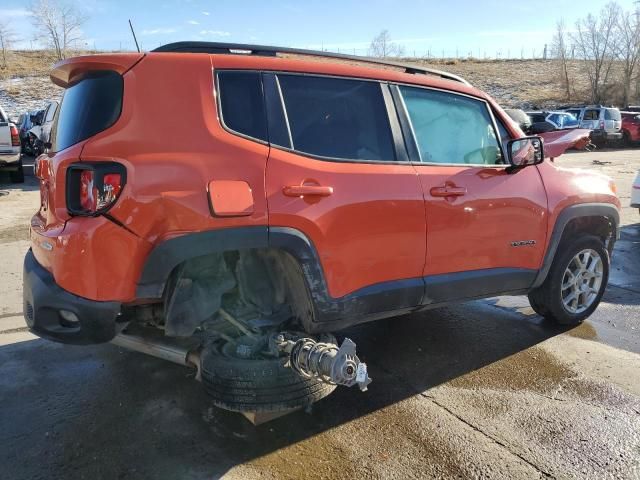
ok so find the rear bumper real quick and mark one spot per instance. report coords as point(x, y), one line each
point(10, 160)
point(604, 135)
point(44, 299)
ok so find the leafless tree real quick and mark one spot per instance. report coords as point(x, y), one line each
point(60, 24)
point(382, 46)
point(627, 48)
point(594, 41)
point(7, 37)
point(560, 50)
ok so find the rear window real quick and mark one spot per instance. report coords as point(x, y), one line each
point(88, 107)
point(242, 103)
point(337, 118)
point(612, 114)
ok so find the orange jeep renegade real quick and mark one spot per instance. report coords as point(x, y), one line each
point(229, 206)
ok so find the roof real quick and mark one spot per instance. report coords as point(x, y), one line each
point(269, 51)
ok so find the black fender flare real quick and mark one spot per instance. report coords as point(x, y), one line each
point(567, 215)
point(365, 304)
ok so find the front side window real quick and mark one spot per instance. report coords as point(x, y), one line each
point(451, 129)
point(337, 118)
point(242, 103)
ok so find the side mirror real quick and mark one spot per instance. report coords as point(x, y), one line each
point(525, 151)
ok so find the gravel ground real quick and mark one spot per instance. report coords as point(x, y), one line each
point(484, 389)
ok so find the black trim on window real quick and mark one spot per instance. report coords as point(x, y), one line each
point(405, 125)
point(276, 116)
point(394, 123)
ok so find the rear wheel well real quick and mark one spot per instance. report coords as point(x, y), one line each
point(269, 281)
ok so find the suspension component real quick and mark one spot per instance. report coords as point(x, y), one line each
point(324, 360)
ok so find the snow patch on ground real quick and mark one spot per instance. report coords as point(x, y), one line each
point(22, 94)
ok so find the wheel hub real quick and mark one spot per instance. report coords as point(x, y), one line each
point(582, 281)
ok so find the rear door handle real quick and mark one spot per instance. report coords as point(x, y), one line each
point(302, 190)
point(448, 191)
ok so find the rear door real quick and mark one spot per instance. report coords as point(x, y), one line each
point(337, 175)
point(486, 227)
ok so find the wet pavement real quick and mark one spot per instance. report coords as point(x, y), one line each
point(482, 389)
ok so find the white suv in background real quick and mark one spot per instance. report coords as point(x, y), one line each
point(605, 122)
point(10, 157)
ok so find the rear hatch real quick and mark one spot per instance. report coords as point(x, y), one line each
point(91, 103)
point(612, 120)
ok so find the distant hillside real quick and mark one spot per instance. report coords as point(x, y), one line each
point(25, 85)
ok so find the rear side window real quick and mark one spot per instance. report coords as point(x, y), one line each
point(612, 114)
point(591, 115)
point(88, 107)
point(337, 118)
point(242, 103)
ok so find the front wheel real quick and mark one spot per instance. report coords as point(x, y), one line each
point(575, 283)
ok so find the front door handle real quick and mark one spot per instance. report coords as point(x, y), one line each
point(307, 190)
point(448, 191)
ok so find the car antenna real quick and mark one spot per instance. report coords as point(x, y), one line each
point(134, 36)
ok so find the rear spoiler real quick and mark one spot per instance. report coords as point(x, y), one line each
point(69, 71)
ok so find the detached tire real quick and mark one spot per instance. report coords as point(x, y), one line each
point(575, 283)
point(257, 385)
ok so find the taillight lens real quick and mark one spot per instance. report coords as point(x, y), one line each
point(602, 124)
point(88, 192)
point(93, 188)
point(15, 136)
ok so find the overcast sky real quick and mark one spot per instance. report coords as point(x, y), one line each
point(480, 27)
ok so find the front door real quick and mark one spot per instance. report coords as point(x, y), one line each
point(486, 227)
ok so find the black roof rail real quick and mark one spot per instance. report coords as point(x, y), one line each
point(263, 50)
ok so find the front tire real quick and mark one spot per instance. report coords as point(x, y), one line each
point(575, 283)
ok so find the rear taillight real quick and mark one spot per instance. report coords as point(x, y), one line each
point(15, 136)
point(602, 124)
point(93, 188)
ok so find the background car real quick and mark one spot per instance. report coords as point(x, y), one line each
point(520, 117)
point(605, 122)
point(635, 192)
point(558, 119)
point(43, 121)
point(24, 124)
point(10, 154)
point(630, 127)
